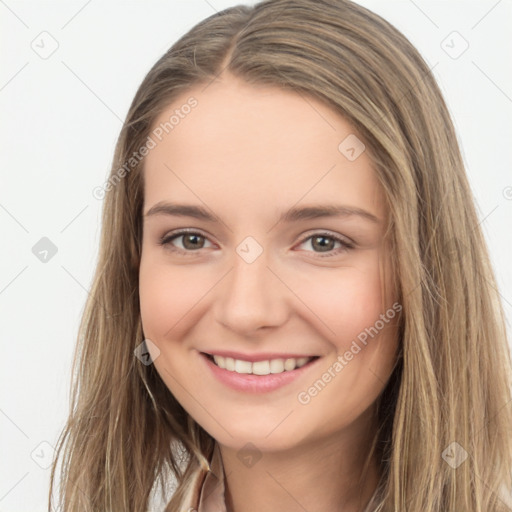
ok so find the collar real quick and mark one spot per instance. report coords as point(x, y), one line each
point(207, 490)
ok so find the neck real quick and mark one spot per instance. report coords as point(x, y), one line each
point(322, 475)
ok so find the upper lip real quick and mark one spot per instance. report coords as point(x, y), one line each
point(263, 356)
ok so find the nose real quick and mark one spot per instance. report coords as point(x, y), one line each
point(251, 296)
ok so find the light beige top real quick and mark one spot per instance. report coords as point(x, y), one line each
point(207, 491)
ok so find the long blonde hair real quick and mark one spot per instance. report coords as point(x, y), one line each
point(452, 382)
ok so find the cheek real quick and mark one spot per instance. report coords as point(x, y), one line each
point(345, 300)
point(363, 337)
point(167, 295)
point(169, 300)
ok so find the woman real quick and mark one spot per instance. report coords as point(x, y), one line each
point(228, 338)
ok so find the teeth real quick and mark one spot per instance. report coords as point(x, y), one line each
point(260, 367)
point(242, 366)
point(229, 363)
point(276, 366)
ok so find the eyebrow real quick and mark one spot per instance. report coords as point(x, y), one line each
point(292, 215)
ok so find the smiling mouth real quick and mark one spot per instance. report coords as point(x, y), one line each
point(266, 367)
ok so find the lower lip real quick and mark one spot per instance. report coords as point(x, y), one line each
point(256, 383)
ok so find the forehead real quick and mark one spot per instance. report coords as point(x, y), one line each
point(256, 147)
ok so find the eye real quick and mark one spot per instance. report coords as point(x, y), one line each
point(325, 243)
point(191, 241)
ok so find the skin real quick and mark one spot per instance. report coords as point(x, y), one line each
point(248, 153)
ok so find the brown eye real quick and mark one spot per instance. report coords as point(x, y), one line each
point(190, 241)
point(325, 242)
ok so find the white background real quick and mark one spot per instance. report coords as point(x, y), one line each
point(60, 120)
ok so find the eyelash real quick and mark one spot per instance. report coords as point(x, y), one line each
point(166, 240)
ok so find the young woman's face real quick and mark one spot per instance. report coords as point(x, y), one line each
point(253, 285)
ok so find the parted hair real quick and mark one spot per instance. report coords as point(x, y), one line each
point(452, 382)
